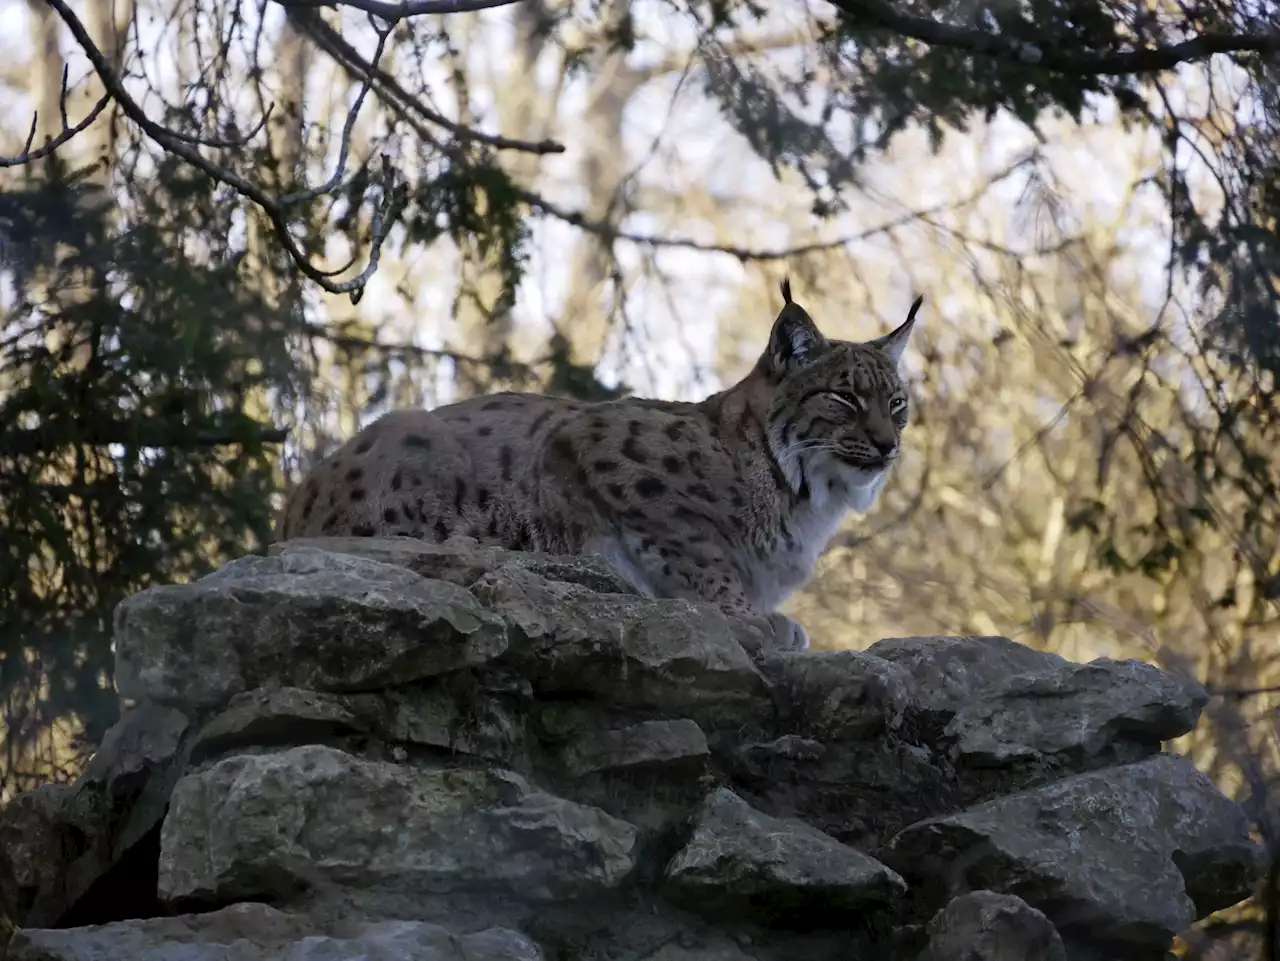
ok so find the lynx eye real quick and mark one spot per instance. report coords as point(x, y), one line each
point(852, 401)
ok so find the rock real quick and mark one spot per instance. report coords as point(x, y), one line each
point(954, 671)
point(256, 932)
point(269, 825)
point(33, 848)
point(651, 743)
point(861, 792)
point(463, 561)
point(706, 948)
point(740, 862)
point(379, 736)
point(1002, 702)
point(458, 714)
point(135, 769)
point(272, 716)
point(308, 619)
point(57, 843)
point(984, 926)
point(498, 944)
point(673, 656)
point(1120, 859)
point(838, 695)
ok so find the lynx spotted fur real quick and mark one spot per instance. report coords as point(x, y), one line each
point(730, 500)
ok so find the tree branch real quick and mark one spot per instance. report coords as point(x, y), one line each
point(385, 208)
point(880, 13)
point(27, 155)
point(18, 443)
point(395, 12)
point(385, 193)
point(406, 106)
point(334, 44)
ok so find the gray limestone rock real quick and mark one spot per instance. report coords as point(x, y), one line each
point(838, 695)
point(57, 841)
point(674, 656)
point(307, 619)
point(1002, 702)
point(381, 735)
point(269, 825)
point(985, 926)
point(1122, 858)
point(257, 932)
point(272, 716)
point(458, 714)
point(648, 744)
point(33, 857)
point(462, 561)
point(744, 864)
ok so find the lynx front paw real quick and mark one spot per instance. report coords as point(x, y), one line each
point(788, 635)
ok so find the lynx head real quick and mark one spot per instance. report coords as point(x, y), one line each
point(839, 408)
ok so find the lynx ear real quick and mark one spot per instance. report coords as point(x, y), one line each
point(795, 337)
point(893, 344)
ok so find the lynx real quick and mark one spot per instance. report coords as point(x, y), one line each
point(729, 500)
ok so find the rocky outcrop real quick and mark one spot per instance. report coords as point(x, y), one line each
point(456, 753)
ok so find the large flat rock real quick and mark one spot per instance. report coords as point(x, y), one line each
point(1000, 702)
point(463, 560)
point(257, 932)
point(269, 825)
point(307, 619)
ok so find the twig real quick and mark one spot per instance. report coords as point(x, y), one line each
point(606, 231)
point(405, 105)
point(230, 143)
point(395, 12)
point(348, 129)
point(333, 43)
point(385, 209)
point(28, 155)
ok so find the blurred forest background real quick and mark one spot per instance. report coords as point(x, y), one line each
point(238, 230)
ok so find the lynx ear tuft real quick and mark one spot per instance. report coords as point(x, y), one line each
point(795, 339)
point(894, 343)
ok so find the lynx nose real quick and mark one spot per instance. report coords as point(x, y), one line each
point(886, 446)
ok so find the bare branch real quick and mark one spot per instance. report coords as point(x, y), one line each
point(395, 12)
point(413, 112)
point(742, 47)
point(348, 128)
point(238, 140)
point(880, 13)
point(28, 155)
point(1241, 693)
point(385, 208)
point(389, 89)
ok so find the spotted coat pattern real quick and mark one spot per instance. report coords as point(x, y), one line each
point(729, 500)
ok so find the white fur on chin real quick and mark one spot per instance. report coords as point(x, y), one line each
point(863, 495)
